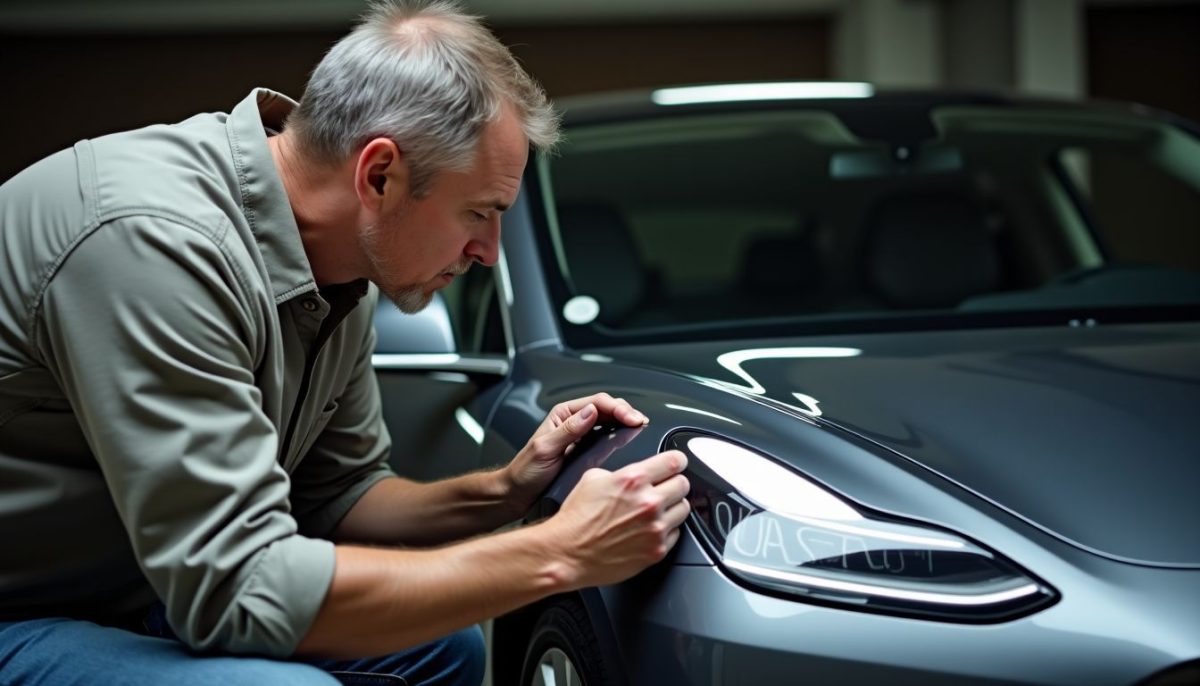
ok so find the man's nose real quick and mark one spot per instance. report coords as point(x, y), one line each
point(485, 249)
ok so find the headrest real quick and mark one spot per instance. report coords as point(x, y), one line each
point(934, 250)
point(602, 258)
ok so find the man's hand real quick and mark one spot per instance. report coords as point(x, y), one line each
point(536, 465)
point(611, 526)
point(615, 524)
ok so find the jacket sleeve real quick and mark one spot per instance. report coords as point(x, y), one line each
point(154, 338)
point(350, 454)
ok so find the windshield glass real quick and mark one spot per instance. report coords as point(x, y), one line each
point(814, 215)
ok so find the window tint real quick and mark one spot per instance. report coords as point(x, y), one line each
point(721, 218)
point(1145, 213)
point(481, 328)
point(463, 318)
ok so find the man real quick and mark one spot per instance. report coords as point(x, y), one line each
point(187, 408)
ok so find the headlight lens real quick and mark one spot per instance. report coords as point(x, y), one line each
point(774, 529)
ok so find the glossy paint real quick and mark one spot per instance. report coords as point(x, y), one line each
point(688, 622)
point(1015, 415)
point(1068, 450)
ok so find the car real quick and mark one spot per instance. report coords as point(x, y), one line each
point(934, 358)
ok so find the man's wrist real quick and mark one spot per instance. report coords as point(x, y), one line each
point(560, 570)
point(515, 498)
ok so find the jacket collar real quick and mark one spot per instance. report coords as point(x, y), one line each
point(264, 200)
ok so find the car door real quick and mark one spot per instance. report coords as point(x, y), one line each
point(440, 372)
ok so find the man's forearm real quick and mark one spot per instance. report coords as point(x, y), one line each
point(611, 526)
point(383, 600)
point(397, 511)
point(402, 512)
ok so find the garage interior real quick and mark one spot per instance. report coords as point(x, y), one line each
point(78, 68)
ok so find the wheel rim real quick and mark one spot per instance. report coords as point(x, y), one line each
point(555, 669)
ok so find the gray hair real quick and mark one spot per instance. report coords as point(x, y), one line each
point(424, 74)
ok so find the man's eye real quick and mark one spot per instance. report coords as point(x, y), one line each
point(478, 216)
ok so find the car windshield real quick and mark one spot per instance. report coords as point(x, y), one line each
point(822, 219)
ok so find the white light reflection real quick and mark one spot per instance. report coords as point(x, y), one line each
point(810, 404)
point(595, 357)
point(740, 92)
point(928, 541)
point(505, 281)
point(770, 485)
point(582, 309)
point(693, 410)
point(450, 377)
point(734, 389)
point(469, 425)
point(448, 362)
point(734, 360)
point(884, 591)
point(414, 360)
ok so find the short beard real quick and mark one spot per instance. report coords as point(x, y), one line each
point(408, 299)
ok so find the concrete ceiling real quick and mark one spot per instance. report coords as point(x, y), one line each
point(89, 16)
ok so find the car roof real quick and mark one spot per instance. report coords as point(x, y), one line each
point(640, 104)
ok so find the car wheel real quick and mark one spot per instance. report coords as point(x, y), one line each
point(563, 650)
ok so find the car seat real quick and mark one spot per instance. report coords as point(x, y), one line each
point(781, 275)
point(930, 250)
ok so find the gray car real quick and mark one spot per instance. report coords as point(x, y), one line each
point(935, 360)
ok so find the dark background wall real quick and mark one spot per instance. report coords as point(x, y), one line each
point(60, 88)
point(569, 60)
point(61, 85)
point(1146, 53)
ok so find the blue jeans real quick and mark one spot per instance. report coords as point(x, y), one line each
point(65, 652)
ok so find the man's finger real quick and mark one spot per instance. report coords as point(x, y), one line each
point(673, 489)
point(608, 406)
point(660, 467)
point(625, 414)
point(672, 538)
point(600, 400)
point(575, 427)
point(677, 513)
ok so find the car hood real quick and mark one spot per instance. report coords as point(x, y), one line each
point(1092, 434)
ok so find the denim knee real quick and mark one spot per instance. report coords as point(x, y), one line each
point(61, 651)
point(455, 660)
point(244, 671)
point(471, 648)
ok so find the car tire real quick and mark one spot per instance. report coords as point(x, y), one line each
point(563, 649)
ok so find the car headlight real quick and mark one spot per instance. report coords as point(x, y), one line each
point(771, 528)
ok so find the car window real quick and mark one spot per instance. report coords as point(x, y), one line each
point(720, 219)
point(464, 317)
point(1146, 212)
point(481, 328)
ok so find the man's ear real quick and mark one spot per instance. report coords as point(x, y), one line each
point(381, 178)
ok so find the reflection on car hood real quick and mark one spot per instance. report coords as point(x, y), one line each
point(1090, 433)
